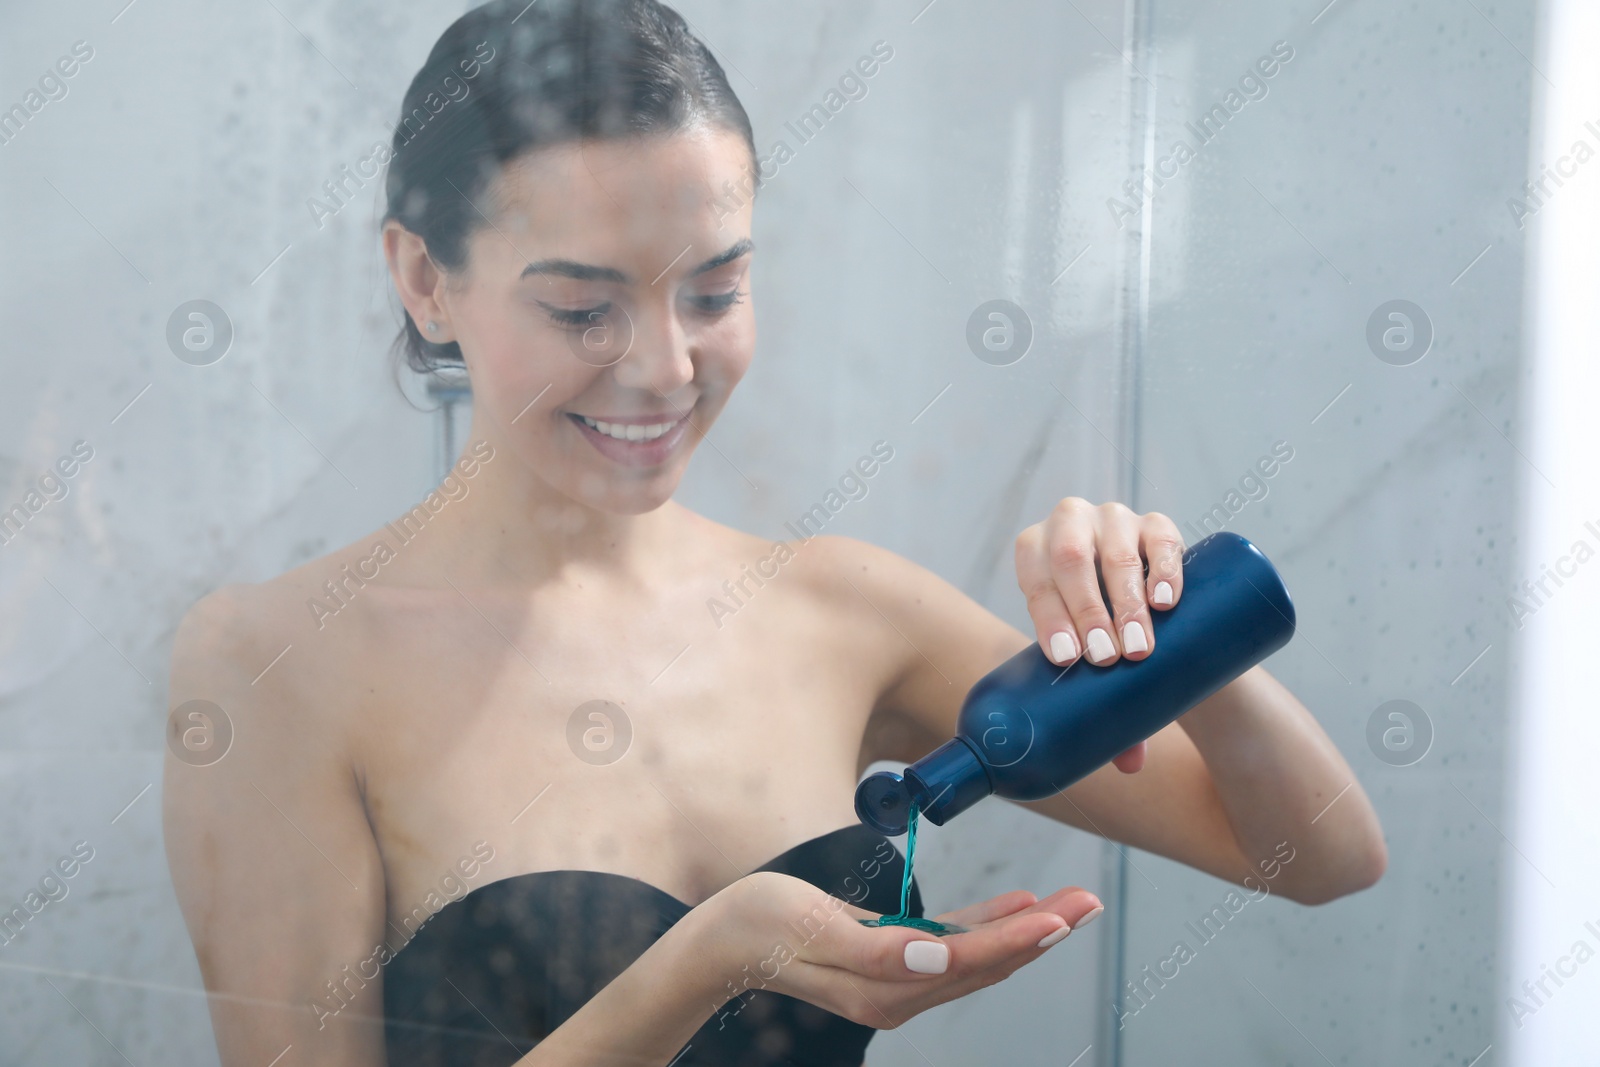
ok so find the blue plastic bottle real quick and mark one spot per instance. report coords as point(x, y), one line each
point(1029, 728)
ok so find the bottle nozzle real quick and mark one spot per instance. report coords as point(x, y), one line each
point(944, 783)
point(883, 802)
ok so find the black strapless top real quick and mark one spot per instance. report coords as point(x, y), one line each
point(493, 972)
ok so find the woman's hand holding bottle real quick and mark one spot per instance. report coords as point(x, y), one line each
point(1063, 560)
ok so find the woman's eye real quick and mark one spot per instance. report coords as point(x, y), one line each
point(586, 317)
point(579, 317)
point(719, 302)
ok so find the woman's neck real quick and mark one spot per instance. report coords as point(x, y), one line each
point(511, 521)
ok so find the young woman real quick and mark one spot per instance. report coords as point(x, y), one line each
point(500, 788)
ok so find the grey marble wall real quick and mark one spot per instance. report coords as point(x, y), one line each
point(177, 167)
point(1374, 165)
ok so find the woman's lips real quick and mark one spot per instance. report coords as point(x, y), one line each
point(633, 453)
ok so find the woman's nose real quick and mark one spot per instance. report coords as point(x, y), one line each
point(658, 355)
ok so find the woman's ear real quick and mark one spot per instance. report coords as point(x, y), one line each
point(418, 280)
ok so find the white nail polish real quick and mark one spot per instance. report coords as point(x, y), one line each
point(1133, 637)
point(927, 957)
point(1100, 645)
point(1052, 938)
point(1063, 646)
point(1163, 593)
point(1091, 917)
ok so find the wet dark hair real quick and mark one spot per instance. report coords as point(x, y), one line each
point(509, 77)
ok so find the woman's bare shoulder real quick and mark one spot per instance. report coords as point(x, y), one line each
point(920, 609)
point(251, 629)
point(847, 567)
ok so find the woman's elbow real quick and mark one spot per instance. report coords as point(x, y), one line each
point(1357, 870)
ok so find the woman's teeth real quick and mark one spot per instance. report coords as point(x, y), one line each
point(628, 433)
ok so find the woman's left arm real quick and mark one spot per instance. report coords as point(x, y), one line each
point(1223, 789)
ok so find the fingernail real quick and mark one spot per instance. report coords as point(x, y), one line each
point(927, 957)
point(1087, 919)
point(1133, 637)
point(1100, 645)
point(1060, 935)
point(1163, 593)
point(1063, 646)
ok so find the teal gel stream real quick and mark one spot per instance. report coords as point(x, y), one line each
point(902, 919)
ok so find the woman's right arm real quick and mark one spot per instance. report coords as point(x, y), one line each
point(276, 869)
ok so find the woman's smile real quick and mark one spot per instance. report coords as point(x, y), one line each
point(633, 441)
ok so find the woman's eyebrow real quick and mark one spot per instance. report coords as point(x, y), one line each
point(587, 272)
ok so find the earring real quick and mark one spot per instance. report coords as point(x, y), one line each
point(432, 327)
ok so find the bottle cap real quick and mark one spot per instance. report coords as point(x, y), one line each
point(944, 783)
point(884, 803)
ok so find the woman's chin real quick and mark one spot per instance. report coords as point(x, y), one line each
point(638, 496)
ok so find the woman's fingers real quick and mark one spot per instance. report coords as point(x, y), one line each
point(991, 952)
point(997, 928)
point(989, 910)
point(1056, 572)
point(1062, 565)
point(1071, 547)
point(1019, 931)
point(882, 976)
point(1073, 904)
point(1053, 626)
point(1128, 542)
point(1131, 760)
point(1163, 551)
point(1063, 562)
point(887, 953)
point(1122, 571)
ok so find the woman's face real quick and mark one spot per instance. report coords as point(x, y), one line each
point(607, 297)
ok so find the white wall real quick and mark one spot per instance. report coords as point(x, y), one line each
point(1549, 985)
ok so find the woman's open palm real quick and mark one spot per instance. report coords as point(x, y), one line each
point(811, 945)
